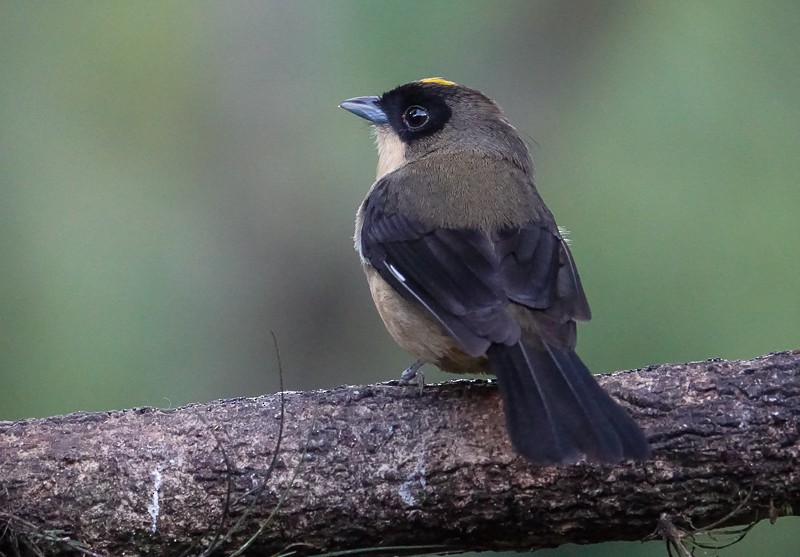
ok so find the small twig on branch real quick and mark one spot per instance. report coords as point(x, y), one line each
point(679, 538)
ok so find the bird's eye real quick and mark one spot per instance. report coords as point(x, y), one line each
point(415, 117)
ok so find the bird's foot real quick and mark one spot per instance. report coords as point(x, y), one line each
point(412, 374)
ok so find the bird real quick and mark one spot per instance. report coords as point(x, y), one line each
point(470, 272)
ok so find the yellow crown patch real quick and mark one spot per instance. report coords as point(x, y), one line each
point(437, 81)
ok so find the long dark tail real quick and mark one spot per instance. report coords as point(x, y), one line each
point(555, 410)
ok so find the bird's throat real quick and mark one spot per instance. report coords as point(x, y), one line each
point(391, 151)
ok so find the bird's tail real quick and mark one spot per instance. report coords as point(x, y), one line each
point(555, 410)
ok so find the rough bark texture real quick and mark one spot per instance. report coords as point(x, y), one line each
point(382, 465)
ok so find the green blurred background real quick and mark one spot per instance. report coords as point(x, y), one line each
point(177, 181)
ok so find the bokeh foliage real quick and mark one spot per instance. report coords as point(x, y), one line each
point(177, 181)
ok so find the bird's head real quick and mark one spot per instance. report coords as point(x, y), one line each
point(435, 115)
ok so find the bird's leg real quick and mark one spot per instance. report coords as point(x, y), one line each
point(412, 374)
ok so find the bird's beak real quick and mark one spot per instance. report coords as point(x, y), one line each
point(368, 108)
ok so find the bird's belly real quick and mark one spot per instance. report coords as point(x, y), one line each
point(414, 329)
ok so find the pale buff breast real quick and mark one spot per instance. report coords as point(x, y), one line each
point(417, 332)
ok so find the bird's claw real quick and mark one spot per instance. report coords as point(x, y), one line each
point(412, 374)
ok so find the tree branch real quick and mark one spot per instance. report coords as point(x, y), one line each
point(382, 465)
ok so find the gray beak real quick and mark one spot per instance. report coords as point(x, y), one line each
point(368, 108)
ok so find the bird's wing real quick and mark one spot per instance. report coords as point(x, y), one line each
point(454, 274)
point(466, 279)
point(538, 271)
